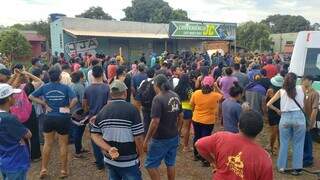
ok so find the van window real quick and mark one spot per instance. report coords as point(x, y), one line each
point(312, 66)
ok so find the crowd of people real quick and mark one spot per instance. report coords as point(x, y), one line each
point(138, 113)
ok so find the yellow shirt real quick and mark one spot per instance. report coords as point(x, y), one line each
point(206, 107)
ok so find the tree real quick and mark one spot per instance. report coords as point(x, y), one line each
point(254, 36)
point(286, 23)
point(14, 45)
point(156, 11)
point(95, 13)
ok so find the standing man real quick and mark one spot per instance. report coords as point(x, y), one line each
point(162, 139)
point(118, 131)
point(138, 78)
point(238, 156)
point(95, 97)
point(311, 104)
point(242, 77)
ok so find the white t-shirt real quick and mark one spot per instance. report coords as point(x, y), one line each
point(287, 104)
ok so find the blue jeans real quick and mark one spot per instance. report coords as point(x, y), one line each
point(162, 149)
point(77, 135)
point(307, 155)
point(19, 175)
point(97, 154)
point(124, 173)
point(292, 127)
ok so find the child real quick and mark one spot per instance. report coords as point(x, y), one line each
point(14, 152)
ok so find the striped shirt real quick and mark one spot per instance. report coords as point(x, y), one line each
point(118, 123)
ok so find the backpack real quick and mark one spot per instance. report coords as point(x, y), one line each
point(22, 108)
point(147, 93)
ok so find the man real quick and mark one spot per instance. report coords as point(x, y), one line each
point(311, 103)
point(144, 97)
point(143, 59)
point(36, 63)
point(58, 100)
point(255, 95)
point(91, 78)
point(253, 72)
point(271, 69)
point(238, 156)
point(65, 75)
point(5, 75)
point(138, 78)
point(118, 131)
point(242, 78)
point(163, 129)
point(95, 97)
point(264, 81)
point(176, 72)
point(14, 151)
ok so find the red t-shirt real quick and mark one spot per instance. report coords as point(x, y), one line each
point(271, 69)
point(236, 157)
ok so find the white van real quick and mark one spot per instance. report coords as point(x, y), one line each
point(306, 56)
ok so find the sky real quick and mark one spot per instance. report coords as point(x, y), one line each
point(238, 11)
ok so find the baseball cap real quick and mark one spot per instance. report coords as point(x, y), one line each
point(6, 90)
point(277, 81)
point(207, 81)
point(118, 86)
point(5, 72)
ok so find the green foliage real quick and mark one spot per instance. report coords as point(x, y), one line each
point(14, 45)
point(156, 11)
point(286, 23)
point(95, 13)
point(252, 36)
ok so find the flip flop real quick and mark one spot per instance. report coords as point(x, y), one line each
point(43, 173)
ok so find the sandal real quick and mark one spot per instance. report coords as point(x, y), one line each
point(63, 174)
point(43, 173)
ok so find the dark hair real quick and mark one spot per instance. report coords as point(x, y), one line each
point(76, 76)
point(150, 73)
point(17, 66)
point(228, 71)
point(269, 61)
point(65, 67)
point(236, 67)
point(95, 62)
point(283, 72)
point(162, 82)
point(243, 69)
point(119, 71)
point(250, 123)
point(308, 77)
point(82, 64)
point(45, 67)
point(183, 87)
point(206, 89)
point(235, 90)
point(97, 71)
point(289, 85)
point(263, 72)
point(36, 72)
point(141, 67)
point(34, 61)
point(54, 74)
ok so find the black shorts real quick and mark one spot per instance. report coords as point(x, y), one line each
point(59, 123)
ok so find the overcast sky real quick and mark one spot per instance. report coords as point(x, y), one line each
point(25, 11)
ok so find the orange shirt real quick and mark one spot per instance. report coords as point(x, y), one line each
point(205, 107)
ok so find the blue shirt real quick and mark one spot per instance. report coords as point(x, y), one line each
point(231, 111)
point(137, 79)
point(13, 155)
point(97, 95)
point(56, 95)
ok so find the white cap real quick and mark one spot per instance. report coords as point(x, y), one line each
point(6, 90)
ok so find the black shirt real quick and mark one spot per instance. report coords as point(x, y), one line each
point(167, 107)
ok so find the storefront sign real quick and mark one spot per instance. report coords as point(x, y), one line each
point(202, 30)
point(88, 45)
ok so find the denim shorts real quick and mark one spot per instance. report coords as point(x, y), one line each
point(162, 149)
point(187, 114)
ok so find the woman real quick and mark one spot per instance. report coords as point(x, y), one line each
point(58, 100)
point(226, 82)
point(205, 104)
point(78, 129)
point(273, 116)
point(231, 109)
point(184, 90)
point(292, 123)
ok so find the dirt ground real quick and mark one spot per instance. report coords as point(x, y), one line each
point(187, 169)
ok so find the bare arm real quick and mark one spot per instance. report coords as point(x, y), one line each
point(273, 100)
point(73, 103)
point(37, 100)
point(154, 124)
point(97, 138)
point(85, 105)
point(32, 77)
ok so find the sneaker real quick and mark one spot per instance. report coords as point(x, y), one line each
point(205, 164)
point(282, 171)
point(296, 173)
